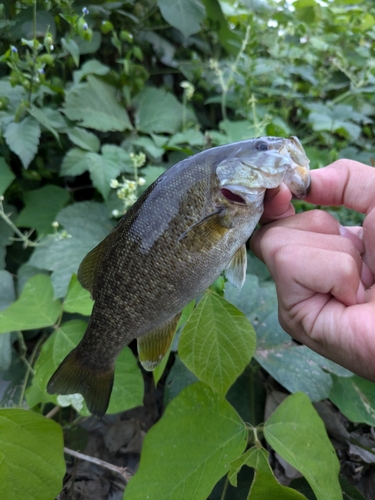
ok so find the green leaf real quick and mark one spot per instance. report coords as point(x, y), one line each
point(6, 232)
point(264, 484)
point(191, 137)
point(23, 139)
point(42, 117)
point(94, 105)
point(7, 296)
point(158, 111)
point(84, 139)
point(73, 49)
point(74, 162)
point(127, 389)
point(86, 224)
point(217, 342)
point(201, 434)
point(185, 15)
point(32, 464)
point(296, 432)
point(42, 207)
point(6, 176)
point(35, 308)
point(92, 67)
point(355, 398)
point(78, 299)
point(297, 368)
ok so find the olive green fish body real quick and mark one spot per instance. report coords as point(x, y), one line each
point(185, 229)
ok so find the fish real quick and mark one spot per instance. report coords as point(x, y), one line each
point(187, 227)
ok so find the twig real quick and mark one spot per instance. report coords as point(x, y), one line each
point(53, 412)
point(123, 471)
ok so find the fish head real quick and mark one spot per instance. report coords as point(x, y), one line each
point(260, 164)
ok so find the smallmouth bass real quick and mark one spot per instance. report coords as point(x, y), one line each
point(185, 229)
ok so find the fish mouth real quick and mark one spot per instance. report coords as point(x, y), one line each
point(232, 197)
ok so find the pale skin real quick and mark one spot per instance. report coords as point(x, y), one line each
point(324, 272)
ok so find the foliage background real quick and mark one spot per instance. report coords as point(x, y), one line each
point(96, 101)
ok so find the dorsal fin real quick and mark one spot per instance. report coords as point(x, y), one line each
point(89, 266)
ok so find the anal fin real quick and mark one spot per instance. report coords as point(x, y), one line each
point(236, 270)
point(153, 346)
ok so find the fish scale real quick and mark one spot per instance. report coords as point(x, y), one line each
point(187, 227)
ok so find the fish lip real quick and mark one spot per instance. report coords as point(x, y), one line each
point(250, 196)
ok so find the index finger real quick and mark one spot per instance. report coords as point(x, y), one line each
point(345, 182)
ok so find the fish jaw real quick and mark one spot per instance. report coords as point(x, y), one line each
point(251, 171)
point(297, 177)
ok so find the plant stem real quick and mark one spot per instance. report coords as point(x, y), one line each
point(29, 368)
point(224, 489)
point(123, 471)
point(22, 237)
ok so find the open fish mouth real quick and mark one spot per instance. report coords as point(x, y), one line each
point(297, 177)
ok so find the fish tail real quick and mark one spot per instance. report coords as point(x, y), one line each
point(72, 377)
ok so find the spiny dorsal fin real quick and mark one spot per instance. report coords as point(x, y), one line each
point(236, 270)
point(153, 346)
point(89, 267)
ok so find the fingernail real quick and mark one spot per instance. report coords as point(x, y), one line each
point(346, 233)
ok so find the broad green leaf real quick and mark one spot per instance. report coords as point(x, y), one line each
point(6, 176)
point(77, 299)
point(40, 115)
point(355, 398)
point(201, 434)
point(12, 380)
point(296, 432)
point(6, 233)
point(185, 15)
point(35, 308)
point(86, 224)
point(128, 385)
point(23, 139)
point(228, 38)
point(42, 207)
point(191, 137)
point(84, 139)
point(94, 105)
point(296, 367)
point(148, 145)
point(217, 342)
point(32, 464)
point(264, 484)
point(7, 296)
point(157, 111)
point(73, 49)
point(92, 67)
point(75, 162)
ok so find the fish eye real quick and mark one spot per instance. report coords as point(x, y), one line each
point(262, 146)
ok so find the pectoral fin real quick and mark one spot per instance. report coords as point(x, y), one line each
point(236, 270)
point(153, 346)
point(213, 226)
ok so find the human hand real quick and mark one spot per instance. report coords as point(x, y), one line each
point(324, 273)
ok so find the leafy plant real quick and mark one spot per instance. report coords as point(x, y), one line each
point(95, 103)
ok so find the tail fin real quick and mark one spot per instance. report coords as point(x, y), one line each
point(72, 377)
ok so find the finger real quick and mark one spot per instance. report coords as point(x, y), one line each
point(277, 204)
point(369, 240)
point(345, 182)
point(278, 237)
point(313, 221)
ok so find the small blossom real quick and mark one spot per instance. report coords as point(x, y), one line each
point(85, 10)
point(115, 213)
point(51, 47)
point(114, 184)
point(55, 224)
point(189, 89)
point(14, 49)
point(141, 181)
point(1, 198)
point(41, 71)
point(85, 26)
